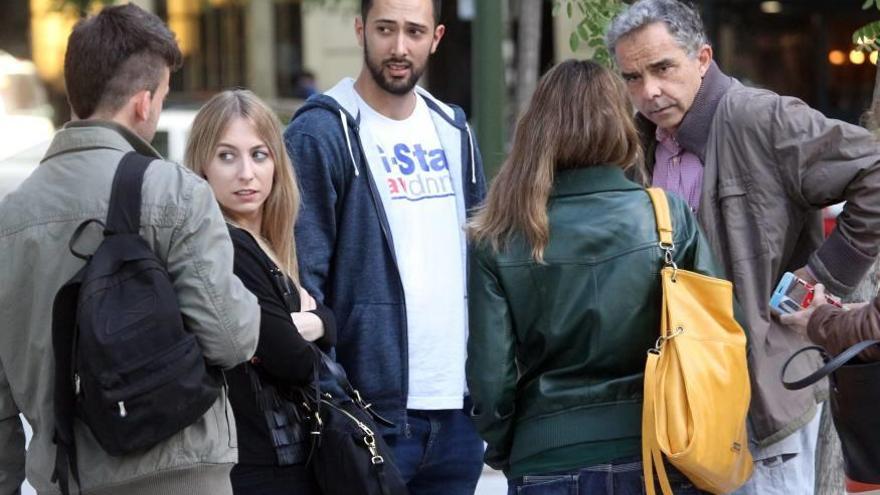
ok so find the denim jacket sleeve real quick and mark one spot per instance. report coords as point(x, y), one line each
point(491, 363)
point(222, 314)
point(12, 453)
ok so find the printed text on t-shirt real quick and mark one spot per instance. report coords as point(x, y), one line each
point(415, 174)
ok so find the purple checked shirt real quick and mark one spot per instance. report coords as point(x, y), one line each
point(677, 171)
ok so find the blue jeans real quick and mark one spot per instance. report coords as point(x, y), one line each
point(619, 477)
point(438, 452)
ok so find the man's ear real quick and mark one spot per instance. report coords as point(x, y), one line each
point(704, 56)
point(359, 30)
point(142, 105)
point(439, 31)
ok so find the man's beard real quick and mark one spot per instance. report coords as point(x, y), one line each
point(394, 86)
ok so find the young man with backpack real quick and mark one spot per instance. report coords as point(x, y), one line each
point(117, 69)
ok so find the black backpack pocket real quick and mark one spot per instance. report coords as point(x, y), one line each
point(149, 402)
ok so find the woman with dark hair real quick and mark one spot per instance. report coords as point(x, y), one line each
point(564, 293)
point(235, 144)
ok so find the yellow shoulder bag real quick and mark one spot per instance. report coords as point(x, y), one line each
point(696, 379)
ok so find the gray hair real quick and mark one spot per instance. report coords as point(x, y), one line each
point(682, 21)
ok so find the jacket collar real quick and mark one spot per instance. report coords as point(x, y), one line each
point(91, 134)
point(591, 179)
point(693, 132)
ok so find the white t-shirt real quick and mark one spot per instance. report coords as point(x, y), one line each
point(410, 170)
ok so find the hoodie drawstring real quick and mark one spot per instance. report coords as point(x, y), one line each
point(348, 141)
point(473, 162)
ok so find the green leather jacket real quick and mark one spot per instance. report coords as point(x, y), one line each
point(556, 351)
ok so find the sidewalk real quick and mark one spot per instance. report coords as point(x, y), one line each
point(492, 483)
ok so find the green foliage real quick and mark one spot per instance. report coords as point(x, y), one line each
point(867, 37)
point(595, 16)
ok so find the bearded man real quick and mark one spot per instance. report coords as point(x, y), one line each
point(388, 175)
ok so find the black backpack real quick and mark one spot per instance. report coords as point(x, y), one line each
point(124, 363)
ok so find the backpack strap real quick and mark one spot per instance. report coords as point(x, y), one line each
point(63, 340)
point(124, 214)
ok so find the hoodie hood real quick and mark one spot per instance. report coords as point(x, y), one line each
point(341, 100)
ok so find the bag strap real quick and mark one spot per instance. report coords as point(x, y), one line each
point(662, 216)
point(63, 340)
point(831, 365)
point(124, 214)
point(652, 458)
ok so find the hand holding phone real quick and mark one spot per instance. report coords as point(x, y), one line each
point(794, 294)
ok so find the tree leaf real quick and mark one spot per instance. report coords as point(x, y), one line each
point(568, 9)
point(574, 41)
point(583, 32)
point(867, 34)
point(868, 4)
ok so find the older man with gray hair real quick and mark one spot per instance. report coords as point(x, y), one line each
point(757, 168)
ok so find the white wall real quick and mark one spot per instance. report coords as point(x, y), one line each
point(330, 48)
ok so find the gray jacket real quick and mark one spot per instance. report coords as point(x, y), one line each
point(770, 164)
point(182, 223)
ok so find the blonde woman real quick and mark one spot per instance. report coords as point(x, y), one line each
point(235, 144)
point(564, 293)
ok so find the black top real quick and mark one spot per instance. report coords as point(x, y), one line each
point(283, 356)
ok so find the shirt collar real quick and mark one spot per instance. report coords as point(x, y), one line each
point(667, 140)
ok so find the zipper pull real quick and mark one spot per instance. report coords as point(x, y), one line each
point(122, 412)
point(76, 384)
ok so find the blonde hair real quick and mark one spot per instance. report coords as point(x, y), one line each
point(579, 116)
point(282, 204)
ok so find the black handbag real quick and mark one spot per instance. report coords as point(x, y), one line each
point(855, 407)
point(348, 453)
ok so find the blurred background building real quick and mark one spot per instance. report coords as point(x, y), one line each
point(286, 49)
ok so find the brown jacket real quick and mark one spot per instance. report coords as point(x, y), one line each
point(770, 163)
point(836, 329)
